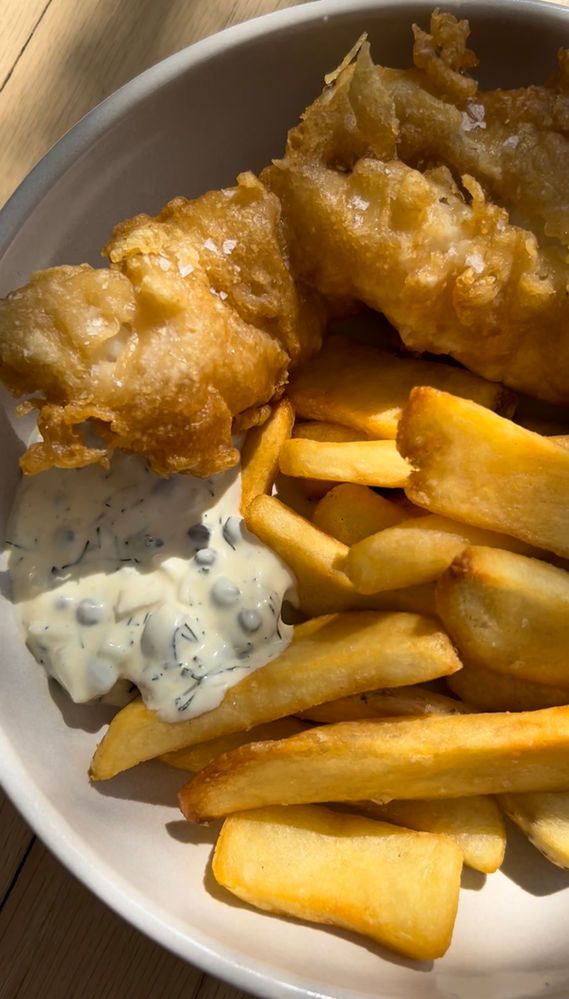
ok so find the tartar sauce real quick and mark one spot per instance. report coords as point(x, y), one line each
point(122, 574)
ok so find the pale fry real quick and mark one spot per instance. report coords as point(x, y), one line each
point(508, 613)
point(260, 453)
point(396, 886)
point(359, 386)
point(386, 704)
point(195, 758)
point(317, 562)
point(417, 551)
point(369, 463)
point(476, 467)
point(438, 756)
point(489, 691)
point(475, 823)
point(350, 513)
point(544, 818)
point(317, 430)
point(329, 657)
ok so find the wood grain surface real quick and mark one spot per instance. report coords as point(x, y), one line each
point(58, 58)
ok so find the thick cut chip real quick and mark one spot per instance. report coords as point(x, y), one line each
point(365, 388)
point(561, 441)
point(396, 886)
point(508, 613)
point(317, 430)
point(386, 704)
point(291, 493)
point(475, 823)
point(544, 818)
point(329, 657)
point(477, 467)
point(260, 454)
point(370, 463)
point(317, 562)
point(417, 551)
point(195, 758)
point(489, 691)
point(438, 756)
point(314, 489)
point(350, 512)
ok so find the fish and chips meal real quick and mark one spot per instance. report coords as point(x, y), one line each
point(303, 511)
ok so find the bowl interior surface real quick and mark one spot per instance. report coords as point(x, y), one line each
point(186, 126)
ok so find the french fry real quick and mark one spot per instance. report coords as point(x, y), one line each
point(314, 489)
point(476, 467)
point(290, 492)
point(398, 887)
point(316, 430)
point(544, 818)
point(329, 657)
point(361, 387)
point(260, 453)
point(350, 512)
point(386, 704)
point(195, 758)
point(475, 823)
point(489, 691)
point(317, 559)
point(508, 613)
point(370, 463)
point(562, 441)
point(438, 756)
point(417, 551)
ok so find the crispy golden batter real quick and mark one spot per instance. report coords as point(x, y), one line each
point(185, 338)
point(386, 186)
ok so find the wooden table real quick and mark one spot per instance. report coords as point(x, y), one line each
point(58, 58)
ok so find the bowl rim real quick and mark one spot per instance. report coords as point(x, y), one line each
point(201, 950)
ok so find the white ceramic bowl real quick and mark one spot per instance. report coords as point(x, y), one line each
point(189, 124)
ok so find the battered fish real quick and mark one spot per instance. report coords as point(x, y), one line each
point(183, 341)
point(386, 188)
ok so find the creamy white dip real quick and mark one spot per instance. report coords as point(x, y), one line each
point(122, 574)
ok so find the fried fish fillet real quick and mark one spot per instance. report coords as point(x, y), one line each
point(185, 339)
point(386, 188)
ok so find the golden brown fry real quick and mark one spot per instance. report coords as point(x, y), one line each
point(417, 551)
point(290, 492)
point(438, 756)
point(544, 818)
point(386, 704)
point(369, 463)
point(508, 613)
point(350, 512)
point(318, 430)
point(361, 387)
point(476, 467)
point(317, 559)
point(329, 657)
point(260, 453)
point(475, 823)
point(314, 489)
point(489, 691)
point(398, 887)
point(562, 441)
point(186, 338)
point(195, 758)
